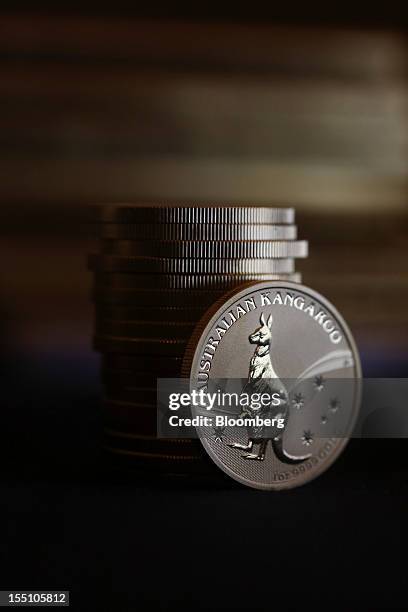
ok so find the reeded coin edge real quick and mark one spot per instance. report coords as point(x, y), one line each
point(194, 231)
point(203, 249)
point(168, 213)
point(138, 264)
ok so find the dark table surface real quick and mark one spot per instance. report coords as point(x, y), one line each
point(133, 541)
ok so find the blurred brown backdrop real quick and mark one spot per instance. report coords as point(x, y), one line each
point(101, 107)
point(303, 104)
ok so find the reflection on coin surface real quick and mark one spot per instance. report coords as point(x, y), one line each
point(289, 334)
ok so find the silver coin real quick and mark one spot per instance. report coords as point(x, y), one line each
point(131, 414)
point(150, 448)
point(267, 333)
point(128, 378)
point(130, 393)
point(120, 280)
point(137, 416)
point(132, 213)
point(249, 249)
point(191, 231)
point(159, 297)
point(157, 265)
point(185, 281)
point(150, 313)
point(160, 366)
point(159, 330)
point(151, 441)
point(144, 345)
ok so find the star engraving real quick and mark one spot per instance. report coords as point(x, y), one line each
point(334, 405)
point(218, 433)
point(298, 401)
point(323, 420)
point(319, 382)
point(307, 438)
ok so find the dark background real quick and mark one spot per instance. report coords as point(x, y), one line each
point(292, 105)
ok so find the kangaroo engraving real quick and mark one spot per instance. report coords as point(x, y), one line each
point(262, 378)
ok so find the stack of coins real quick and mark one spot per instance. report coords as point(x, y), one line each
point(157, 270)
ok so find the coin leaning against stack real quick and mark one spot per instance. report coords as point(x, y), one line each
point(156, 271)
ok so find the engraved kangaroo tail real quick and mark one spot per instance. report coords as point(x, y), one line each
point(284, 456)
